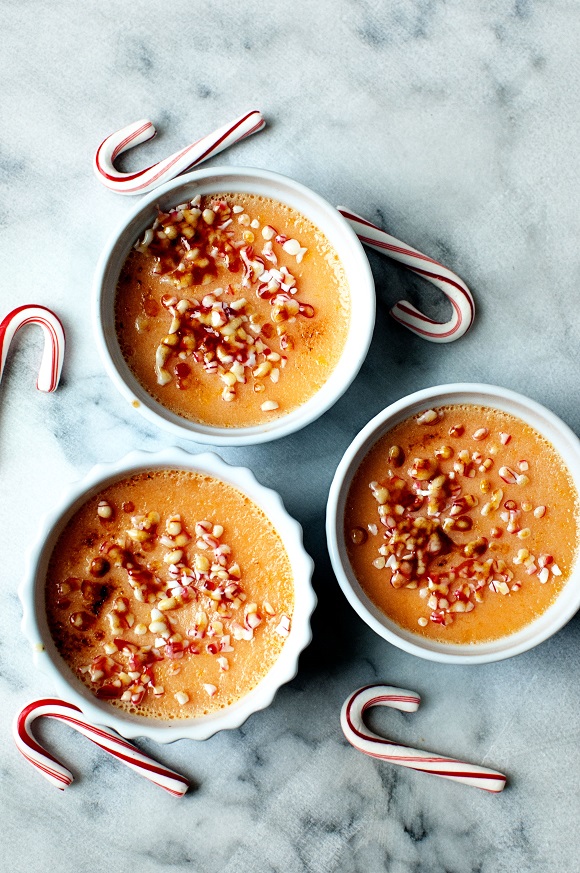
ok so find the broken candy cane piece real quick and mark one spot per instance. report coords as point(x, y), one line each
point(359, 736)
point(103, 737)
point(404, 312)
point(151, 177)
point(54, 341)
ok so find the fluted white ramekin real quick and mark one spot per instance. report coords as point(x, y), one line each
point(66, 684)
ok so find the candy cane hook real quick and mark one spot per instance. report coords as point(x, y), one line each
point(447, 281)
point(103, 737)
point(153, 176)
point(54, 341)
point(363, 739)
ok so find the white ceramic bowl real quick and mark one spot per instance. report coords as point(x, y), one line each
point(277, 187)
point(546, 423)
point(48, 659)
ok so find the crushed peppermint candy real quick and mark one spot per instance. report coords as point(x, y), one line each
point(194, 597)
point(429, 514)
point(222, 331)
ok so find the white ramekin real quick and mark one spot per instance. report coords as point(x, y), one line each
point(267, 184)
point(48, 659)
point(540, 418)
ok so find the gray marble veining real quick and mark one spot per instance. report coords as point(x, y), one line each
point(452, 124)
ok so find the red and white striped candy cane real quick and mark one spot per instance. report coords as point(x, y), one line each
point(446, 280)
point(151, 177)
point(359, 736)
point(54, 341)
point(103, 737)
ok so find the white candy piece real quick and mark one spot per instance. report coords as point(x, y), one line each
point(291, 246)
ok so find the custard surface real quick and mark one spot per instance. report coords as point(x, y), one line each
point(262, 325)
point(443, 544)
point(157, 600)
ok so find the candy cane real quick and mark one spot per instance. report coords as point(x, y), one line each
point(54, 341)
point(359, 736)
point(149, 178)
point(404, 312)
point(103, 737)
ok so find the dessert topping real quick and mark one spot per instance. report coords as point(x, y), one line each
point(424, 516)
point(182, 572)
point(223, 333)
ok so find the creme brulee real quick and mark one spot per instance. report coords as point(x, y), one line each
point(461, 524)
point(233, 309)
point(169, 594)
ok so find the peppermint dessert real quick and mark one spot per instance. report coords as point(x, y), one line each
point(169, 594)
point(461, 524)
point(232, 309)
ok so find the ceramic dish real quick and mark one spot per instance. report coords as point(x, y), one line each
point(48, 659)
point(276, 187)
point(542, 420)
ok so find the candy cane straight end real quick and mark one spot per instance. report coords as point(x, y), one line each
point(155, 175)
point(54, 341)
point(363, 739)
point(446, 280)
point(103, 737)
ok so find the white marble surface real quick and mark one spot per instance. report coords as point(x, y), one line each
point(456, 125)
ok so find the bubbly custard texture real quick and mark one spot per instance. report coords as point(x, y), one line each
point(462, 524)
point(233, 310)
point(169, 594)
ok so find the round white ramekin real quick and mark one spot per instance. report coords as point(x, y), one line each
point(546, 423)
point(47, 657)
point(267, 184)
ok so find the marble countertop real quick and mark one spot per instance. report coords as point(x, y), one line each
point(454, 126)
